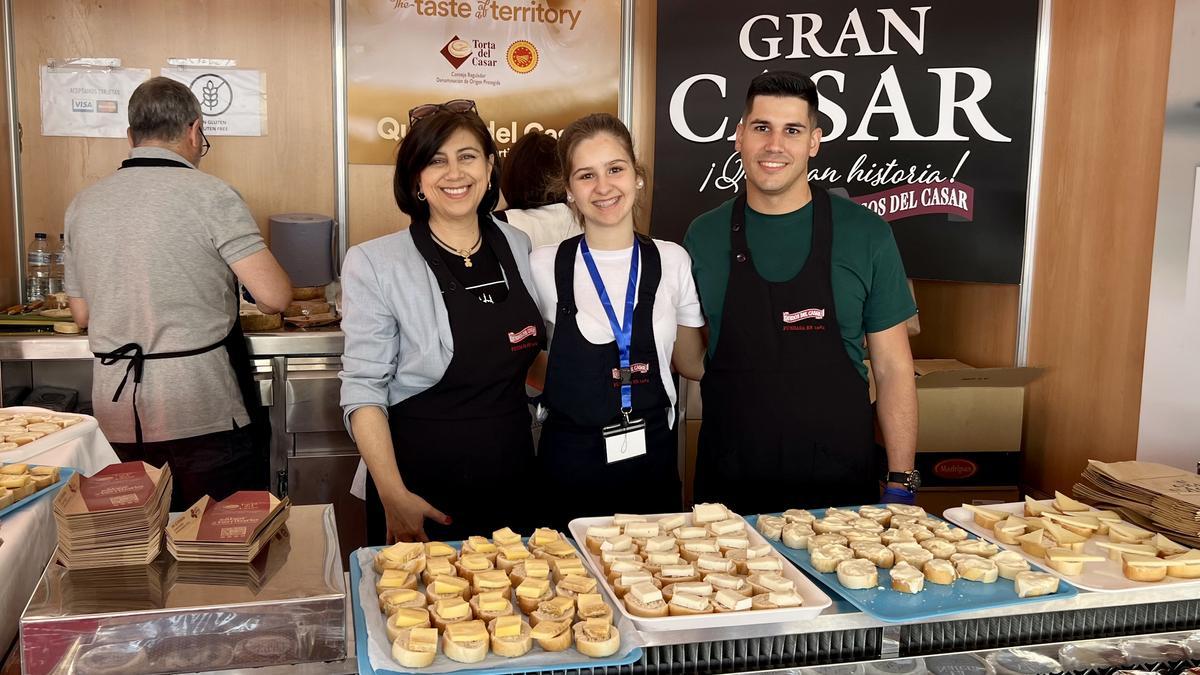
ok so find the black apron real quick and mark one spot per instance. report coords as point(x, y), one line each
point(787, 417)
point(465, 445)
point(583, 393)
point(234, 344)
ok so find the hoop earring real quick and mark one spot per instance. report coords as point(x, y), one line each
point(420, 196)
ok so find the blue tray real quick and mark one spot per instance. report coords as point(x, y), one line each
point(517, 664)
point(936, 600)
point(63, 476)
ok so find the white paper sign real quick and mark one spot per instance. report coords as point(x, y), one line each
point(88, 102)
point(233, 101)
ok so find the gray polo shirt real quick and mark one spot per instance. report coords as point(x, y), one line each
point(149, 249)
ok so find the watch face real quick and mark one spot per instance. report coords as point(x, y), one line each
point(914, 479)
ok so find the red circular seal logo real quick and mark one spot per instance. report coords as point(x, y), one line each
point(522, 56)
point(955, 469)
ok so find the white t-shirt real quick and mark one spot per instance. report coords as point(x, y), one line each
point(546, 225)
point(675, 304)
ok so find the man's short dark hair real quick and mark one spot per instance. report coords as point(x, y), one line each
point(161, 109)
point(783, 83)
point(424, 140)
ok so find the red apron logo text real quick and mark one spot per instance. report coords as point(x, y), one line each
point(527, 331)
point(955, 469)
point(634, 368)
point(793, 317)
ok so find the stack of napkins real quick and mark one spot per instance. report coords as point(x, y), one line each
point(114, 518)
point(1156, 495)
point(234, 530)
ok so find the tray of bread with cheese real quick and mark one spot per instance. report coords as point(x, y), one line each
point(485, 605)
point(24, 484)
point(1094, 549)
point(898, 563)
point(703, 569)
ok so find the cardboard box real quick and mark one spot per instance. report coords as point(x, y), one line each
point(937, 500)
point(965, 409)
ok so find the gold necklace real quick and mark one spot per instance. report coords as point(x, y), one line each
point(464, 253)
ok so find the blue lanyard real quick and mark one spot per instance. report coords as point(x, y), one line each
point(623, 331)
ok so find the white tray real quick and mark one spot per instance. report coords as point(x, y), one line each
point(1097, 576)
point(31, 450)
point(815, 601)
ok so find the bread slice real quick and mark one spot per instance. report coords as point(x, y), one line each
point(1185, 565)
point(940, 548)
point(940, 572)
point(1007, 530)
point(985, 517)
point(1117, 551)
point(1144, 568)
point(1010, 563)
point(406, 619)
point(510, 636)
point(907, 579)
point(596, 638)
point(1128, 533)
point(771, 527)
point(981, 570)
point(553, 636)
point(415, 648)
point(1035, 543)
point(857, 574)
point(1035, 509)
point(466, 642)
point(488, 606)
point(686, 604)
point(1081, 524)
point(825, 558)
point(645, 600)
point(555, 609)
point(1031, 584)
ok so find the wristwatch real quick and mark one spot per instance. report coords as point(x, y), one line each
point(911, 480)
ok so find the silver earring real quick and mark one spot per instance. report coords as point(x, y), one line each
point(640, 184)
point(420, 195)
point(570, 198)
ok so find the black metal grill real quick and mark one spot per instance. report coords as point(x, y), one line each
point(1032, 629)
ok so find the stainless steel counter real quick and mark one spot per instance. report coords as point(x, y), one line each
point(52, 347)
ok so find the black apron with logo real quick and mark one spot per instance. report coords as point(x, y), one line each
point(234, 344)
point(583, 395)
point(787, 417)
point(465, 444)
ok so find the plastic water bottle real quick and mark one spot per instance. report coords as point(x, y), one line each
point(57, 270)
point(37, 268)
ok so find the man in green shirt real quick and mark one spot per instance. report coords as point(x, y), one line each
point(796, 285)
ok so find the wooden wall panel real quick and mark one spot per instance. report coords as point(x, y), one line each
point(1104, 130)
point(372, 211)
point(974, 323)
point(289, 169)
point(9, 270)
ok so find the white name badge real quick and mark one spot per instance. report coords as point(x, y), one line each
point(624, 441)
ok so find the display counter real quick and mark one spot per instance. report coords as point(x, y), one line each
point(311, 456)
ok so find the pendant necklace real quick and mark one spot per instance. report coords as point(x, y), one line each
point(464, 253)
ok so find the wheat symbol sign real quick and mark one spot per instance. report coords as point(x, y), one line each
point(214, 93)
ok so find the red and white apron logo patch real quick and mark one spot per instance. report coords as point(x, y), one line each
point(634, 368)
point(793, 317)
point(527, 331)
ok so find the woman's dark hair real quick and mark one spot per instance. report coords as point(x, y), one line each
point(531, 173)
point(424, 140)
point(586, 127)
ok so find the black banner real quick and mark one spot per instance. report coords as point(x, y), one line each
point(926, 110)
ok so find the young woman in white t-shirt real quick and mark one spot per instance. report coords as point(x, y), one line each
point(609, 442)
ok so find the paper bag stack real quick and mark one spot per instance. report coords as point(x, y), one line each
point(234, 530)
point(1161, 497)
point(113, 519)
